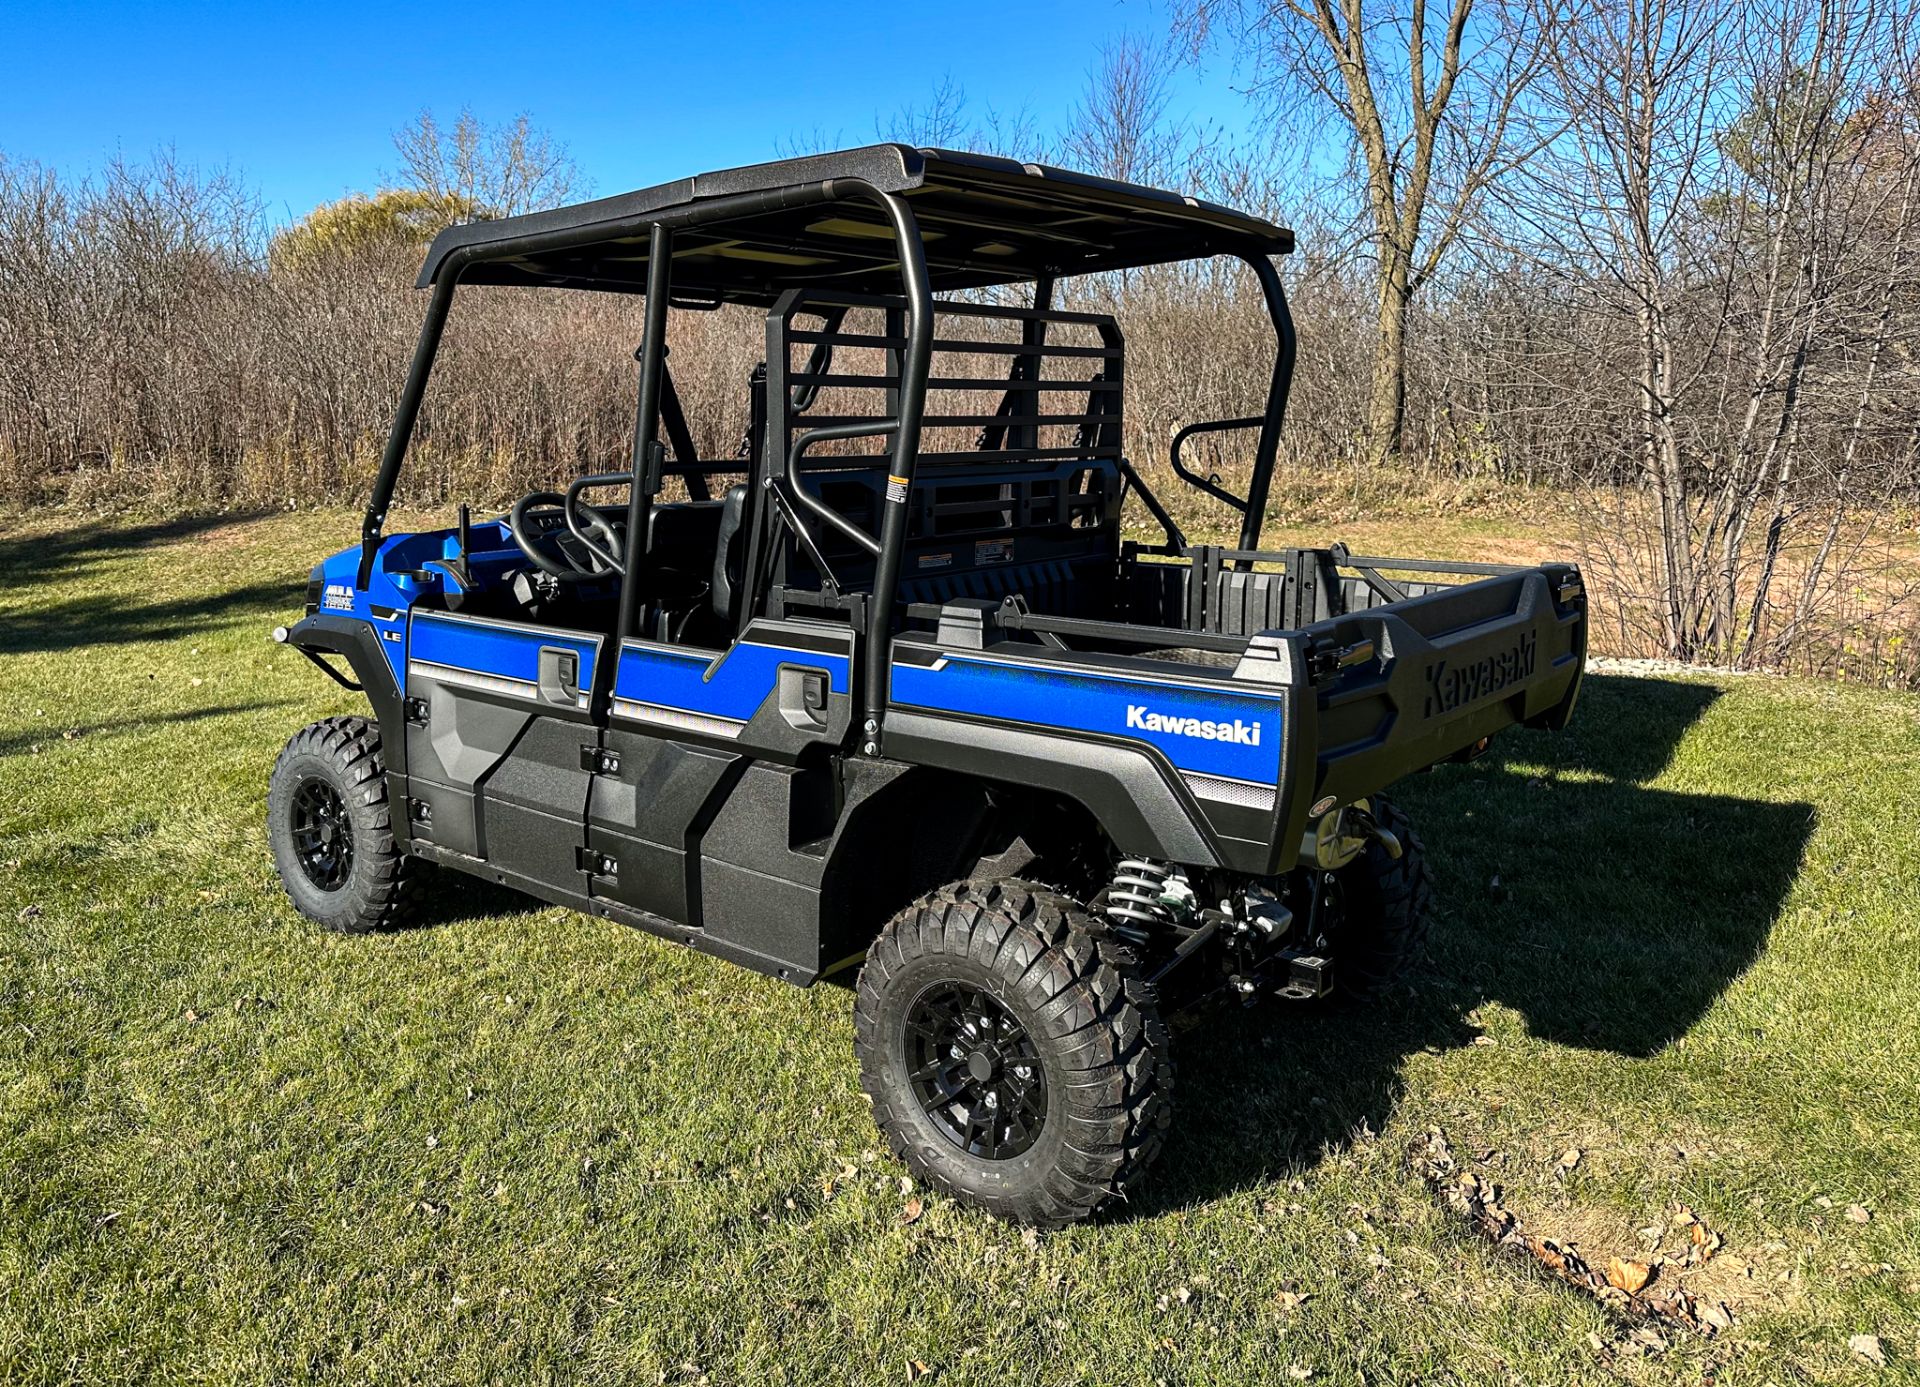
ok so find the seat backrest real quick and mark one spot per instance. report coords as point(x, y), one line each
point(729, 554)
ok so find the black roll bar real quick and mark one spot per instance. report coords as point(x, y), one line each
point(825, 434)
point(1253, 506)
point(647, 453)
point(915, 359)
point(404, 417)
point(1286, 351)
point(1210, 484)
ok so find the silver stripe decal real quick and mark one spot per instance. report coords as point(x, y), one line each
point(473, 679)
point(1244, 793)
point(678, 718)
point(490, 623)
point(1228, 685)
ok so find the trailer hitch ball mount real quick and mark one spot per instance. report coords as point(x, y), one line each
point(1337, 837)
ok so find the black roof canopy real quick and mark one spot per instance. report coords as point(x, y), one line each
point(745, 235)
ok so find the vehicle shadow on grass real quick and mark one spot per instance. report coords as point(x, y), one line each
point(104, 619)
point(1609, 914)
point(74, 548)
point(42, 562)
point(16, 742)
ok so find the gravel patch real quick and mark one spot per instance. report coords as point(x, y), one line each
point(1649, 669)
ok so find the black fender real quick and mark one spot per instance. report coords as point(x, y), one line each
point(357, 641)
point(1129, 790)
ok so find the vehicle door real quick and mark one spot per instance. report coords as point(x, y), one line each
point(500, 743)
point(706, 793)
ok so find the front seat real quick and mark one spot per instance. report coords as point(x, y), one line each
point(729, 554)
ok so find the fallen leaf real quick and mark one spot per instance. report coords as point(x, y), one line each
point(917, 1370)
point(1628, 1276)
point(1649, 1339)
point(1485, 1040)
point(1859, 1213)
point(1867, 1346)
point(1299, 1372)
point(1292, 1300)
point(911, 1213)
point(1570, 1158)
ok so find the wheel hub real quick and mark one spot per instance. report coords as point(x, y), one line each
point(975, 1071)
point(322, 840)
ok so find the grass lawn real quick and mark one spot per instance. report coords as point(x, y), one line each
point(517, 1145)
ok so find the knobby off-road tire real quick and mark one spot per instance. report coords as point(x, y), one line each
point(969, 987)
point(331, 827)
point(1387, 907)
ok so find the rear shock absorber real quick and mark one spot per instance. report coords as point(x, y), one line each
point(1147, 896)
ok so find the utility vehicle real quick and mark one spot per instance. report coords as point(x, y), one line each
point(888, 690)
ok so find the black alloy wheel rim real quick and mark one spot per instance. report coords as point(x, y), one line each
point(322, 835)
point(975, 1071)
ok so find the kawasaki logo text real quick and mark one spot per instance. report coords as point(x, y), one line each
point(1241, 733)
point(1449, 688)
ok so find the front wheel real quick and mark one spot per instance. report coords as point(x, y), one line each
point(331, 828)
point(1009, 1064)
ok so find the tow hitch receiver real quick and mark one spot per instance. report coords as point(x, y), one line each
point(1308, 976)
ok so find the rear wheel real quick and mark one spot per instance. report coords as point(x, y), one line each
point(1009, 1063)
point(1385, 907)
point(331, 828)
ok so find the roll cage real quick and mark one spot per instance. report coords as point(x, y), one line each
point(890, 227)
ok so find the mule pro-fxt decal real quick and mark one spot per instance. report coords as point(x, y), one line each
point(1200, 728)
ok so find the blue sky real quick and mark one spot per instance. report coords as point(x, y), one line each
point(303, 100)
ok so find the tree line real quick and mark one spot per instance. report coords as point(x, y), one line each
point(1657, 254)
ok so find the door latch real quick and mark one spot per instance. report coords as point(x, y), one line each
point(599, 760)
point(416, 711)
point(596, 863)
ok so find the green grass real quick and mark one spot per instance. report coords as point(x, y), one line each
point(518, 1145)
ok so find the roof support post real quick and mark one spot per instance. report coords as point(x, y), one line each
point(914, 361)
point(1286, 350)
point(404, 418)
point(647, 455)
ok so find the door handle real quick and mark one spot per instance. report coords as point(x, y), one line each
point(560, 676)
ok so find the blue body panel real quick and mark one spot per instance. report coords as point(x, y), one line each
point(732, 685)
point(390, 591)
point(1172, 718)
point(493, 647)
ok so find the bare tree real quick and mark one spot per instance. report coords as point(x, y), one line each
point(503, 169)
point(941, 122)
point(1704, 195)
point(946, 121)
point(1119, 127)
point(1424, 101)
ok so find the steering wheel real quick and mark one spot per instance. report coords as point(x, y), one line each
point(566, 567)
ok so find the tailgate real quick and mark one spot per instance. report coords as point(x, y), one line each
point(1445, 670)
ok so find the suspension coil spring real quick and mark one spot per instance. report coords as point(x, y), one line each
point(1143, 896)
